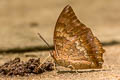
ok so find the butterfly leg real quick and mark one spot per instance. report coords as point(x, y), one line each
point(76, 71)
point(45, 59)
point(43, 62)
point(71, 67)
point(54, 65)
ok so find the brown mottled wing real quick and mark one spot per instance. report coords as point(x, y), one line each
point(74, 41)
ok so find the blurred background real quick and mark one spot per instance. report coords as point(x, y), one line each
point(21, 20)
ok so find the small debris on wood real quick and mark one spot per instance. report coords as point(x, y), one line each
point(18, 67)
point(34, 24)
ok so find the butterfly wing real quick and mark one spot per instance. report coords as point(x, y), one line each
point(74, 41)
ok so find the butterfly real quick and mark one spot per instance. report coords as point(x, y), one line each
point(75, 45)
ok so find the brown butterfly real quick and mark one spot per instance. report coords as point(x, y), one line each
point(75, 45)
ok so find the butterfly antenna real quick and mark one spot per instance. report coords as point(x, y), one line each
point(51, 52)
point(46, 43)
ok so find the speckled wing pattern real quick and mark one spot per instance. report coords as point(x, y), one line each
point(74, 41)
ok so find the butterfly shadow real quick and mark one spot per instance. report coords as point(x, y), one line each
point(83, 71)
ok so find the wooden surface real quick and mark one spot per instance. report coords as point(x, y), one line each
point(21, 20)
point(110, 70)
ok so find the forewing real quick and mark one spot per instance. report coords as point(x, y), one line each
point(73, 40)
